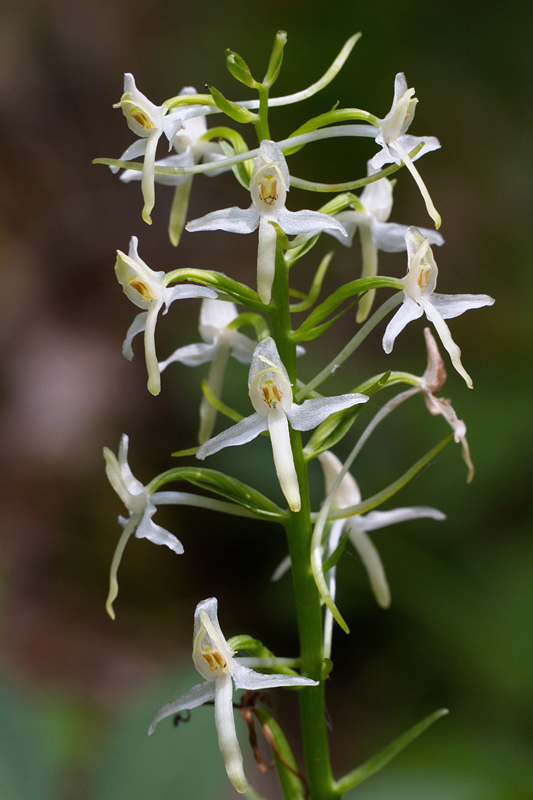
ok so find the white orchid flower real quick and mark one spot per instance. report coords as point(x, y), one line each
point(359, 525)
point(396, 144)
point(270, 392)
point(147, 290)
point(269, 185)
point(191, 149)
point(215, 661)
point(219, 342)
point(420, 298)
point(149, 122)
point(375, 232)
point(141, 506)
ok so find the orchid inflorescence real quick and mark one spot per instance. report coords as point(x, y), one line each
point(284, 405)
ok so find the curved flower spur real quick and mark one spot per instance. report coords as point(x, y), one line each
point(270, 392)
point(214, 659)
point(269, 185)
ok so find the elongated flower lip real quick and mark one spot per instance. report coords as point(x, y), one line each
point(216, 662)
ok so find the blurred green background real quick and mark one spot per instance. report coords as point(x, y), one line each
point(77, 691)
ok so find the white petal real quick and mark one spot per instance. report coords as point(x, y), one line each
point(147, 529)
point(283, 458)
point(246, 678)
point(150, 355)
point(382, 519)
point(373, 565)
point(312, 412)
point(266, 258)
point(293, 222)
point(215, 316)
point(234, 220)
point(446, 338)
point(408, 311)
point(348, 493)
point(186, 293)
point(241, 433)
point(137, 326)
point(192, 355)
point(227, 736)
point(281, 569)
point(452, 305)
point(197, 696)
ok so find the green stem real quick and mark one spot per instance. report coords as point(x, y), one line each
point(298, 528)
point(261, 127)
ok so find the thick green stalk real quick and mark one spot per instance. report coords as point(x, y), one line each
point(307, 598)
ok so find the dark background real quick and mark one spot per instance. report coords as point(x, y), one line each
point(77, 691)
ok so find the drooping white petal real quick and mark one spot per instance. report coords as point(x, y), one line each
point(446, 338)
point(192, 355)
point(241, 433)
point(311, 413)
point(227, 735)
point(152, 366)
point(283, 459)
point(294, 222)
point(138, 148)
point(373, 565)
point(215, 379)
point(137, 326)
point(197, 696)
point(147, 529)
point(129, 527)
point(234, 220)
point(266, 258)
point(408, 311)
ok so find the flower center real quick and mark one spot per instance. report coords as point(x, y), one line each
point(268, 189)
point(142, 118)
point(214, 659)
point(423, 277)
point(144, 290)
point(271, 394)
